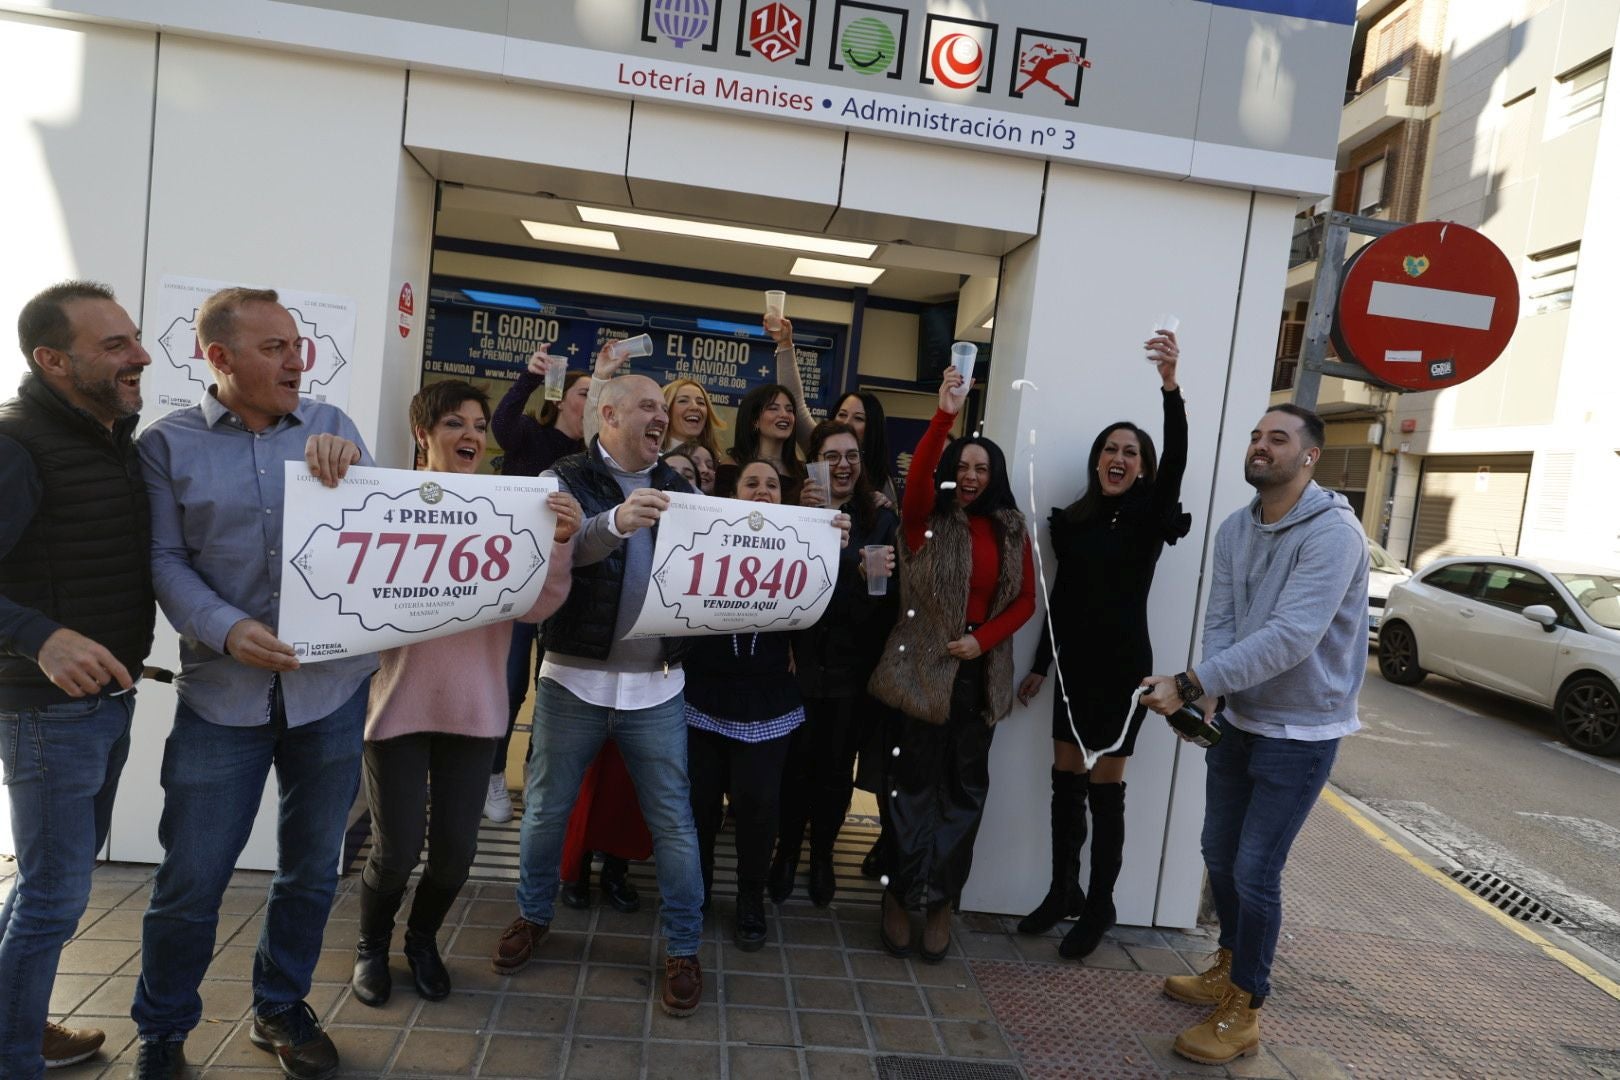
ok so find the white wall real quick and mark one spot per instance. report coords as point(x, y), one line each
point(75, 121)
point(1074, 325)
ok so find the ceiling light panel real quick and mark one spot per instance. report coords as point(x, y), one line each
point(832, 271)
point(736, 234)
point(572, 235)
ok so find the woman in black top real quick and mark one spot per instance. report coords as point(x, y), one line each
point(1107, 546)
point(833, 660)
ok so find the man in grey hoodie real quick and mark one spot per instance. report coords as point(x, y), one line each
point(1285, 645)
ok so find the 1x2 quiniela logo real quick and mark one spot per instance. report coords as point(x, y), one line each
point(777, 29)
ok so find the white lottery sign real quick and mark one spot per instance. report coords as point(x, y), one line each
point(390, 557)
point(722, 566)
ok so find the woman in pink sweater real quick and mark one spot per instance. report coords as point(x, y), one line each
point(437, 710)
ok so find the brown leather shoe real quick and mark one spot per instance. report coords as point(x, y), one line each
point(517, 945)
point(68, 1046)
point(683, 985)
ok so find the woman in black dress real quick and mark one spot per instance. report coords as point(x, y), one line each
point(1107, 545)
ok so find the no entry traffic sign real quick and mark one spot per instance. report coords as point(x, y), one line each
point(1426, 306)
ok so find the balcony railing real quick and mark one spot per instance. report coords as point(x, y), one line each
point(1307, 242)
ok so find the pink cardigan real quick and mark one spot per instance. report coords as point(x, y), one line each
point(457, 684)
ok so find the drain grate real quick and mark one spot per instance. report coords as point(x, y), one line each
point(1503, 894)
point(1603, 1063)
point(892, 1067)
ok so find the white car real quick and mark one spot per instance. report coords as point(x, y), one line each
point(1383, 574)
point(1543, 632)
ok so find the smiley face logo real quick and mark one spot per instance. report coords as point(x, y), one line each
point(868, 46)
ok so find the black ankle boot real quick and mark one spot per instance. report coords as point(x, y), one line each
point(784, 868)
point(422, 954)
point(371, 980)
point(1107, 855)
point(823, 879)
point(616, 887)
point(751, 929)
point(1065, 898)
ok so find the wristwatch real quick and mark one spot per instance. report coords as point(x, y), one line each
point(1189, 690)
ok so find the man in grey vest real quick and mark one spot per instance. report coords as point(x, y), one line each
point(76, 614)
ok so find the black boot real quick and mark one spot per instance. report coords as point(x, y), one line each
point(1064, 899)
point(577, 893)
point(1107, 854)
point(428, 909)
point(751, 930)
point(784, 867)
point(371, 980)
point(616, 887)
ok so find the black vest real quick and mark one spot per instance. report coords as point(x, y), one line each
point(85, 560)
point(584, 625)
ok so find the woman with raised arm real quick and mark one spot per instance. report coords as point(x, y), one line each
point(691, 417)
point(1107, 545)
point(437, 709)
point(967, 582)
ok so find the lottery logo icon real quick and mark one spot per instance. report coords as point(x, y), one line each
point(431, 493)
point(775, 31)
point(957, 61)
point(680, 21)
point(868, 46)
point(1056, 62)
point(959, 54)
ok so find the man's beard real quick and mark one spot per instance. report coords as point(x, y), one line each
point(107, 394)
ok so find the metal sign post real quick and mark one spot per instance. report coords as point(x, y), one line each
point(1313, 361)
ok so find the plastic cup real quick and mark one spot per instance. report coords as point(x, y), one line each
point(820, 473)
point(963, 355)
point(1164, 322)
point(629, 348)
point(877, 569)
point(556, 372)
point(775, 307)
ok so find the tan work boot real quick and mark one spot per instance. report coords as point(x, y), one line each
point(1205, 988)
point(1232, 1031)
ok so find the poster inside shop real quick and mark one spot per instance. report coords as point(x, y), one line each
point(724, 566)
point(486, 333)
point(390, 557)
point(180, 375)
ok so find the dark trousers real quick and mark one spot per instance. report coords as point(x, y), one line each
point(819, 778)
point(941, 779)
point(751, 774)
point(519, 677)
point(406, 776)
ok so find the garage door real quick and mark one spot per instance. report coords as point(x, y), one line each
point(1469, 505)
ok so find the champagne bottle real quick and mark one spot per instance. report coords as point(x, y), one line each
point(1190, 722)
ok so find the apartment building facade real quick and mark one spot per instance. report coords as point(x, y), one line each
point(1489, 113)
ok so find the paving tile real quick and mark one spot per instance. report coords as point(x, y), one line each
point(1139, 935)
point(890, 998)
point(986, 946)
point(973, 1039)
point(880, 967)
point(606, 949)
point(761, 1063)
point(827, 1065)
point(754, 990)
point(701, 1026)
point(833, 1029)
point(130, 895)
point(221, 999)
point(545, 977)
point(1308, 1064)
point(1262, 1066)
point(1110, 956)
point(948, 1003)
point(947, 973)
point(602, 1059)
point(825, 994)
point(236, 962)
point(237, 1050)
point(618, 982)
point(475, 975)
point(903, 1035)
point(478, 943)
point(334, 966)
point(245, 900)
point(120, 871)
point(766, 960)
point(489, 913)
point(112, 997)
point(120, 925)
point(1159, 961)
point(623, 1019)
point(528, 1013)
point(512, 1055)
point(396, 1012)
point(86, 956)
point(1038, 950)
point(809, 932)
point(1162, 1050)
point(682, 1061)
point(807, 961)
point(461, 1011)
point(364, 1050)
point(70, 990)
point(437, 1053)
point(772, 1027)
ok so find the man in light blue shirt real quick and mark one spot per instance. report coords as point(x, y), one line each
point(214, 476)
point(1285, 644)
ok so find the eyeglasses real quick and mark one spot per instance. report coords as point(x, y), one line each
point(832, 457)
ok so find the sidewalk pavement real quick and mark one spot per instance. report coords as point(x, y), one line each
point(1384, 970)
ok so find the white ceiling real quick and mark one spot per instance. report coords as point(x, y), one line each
point(911, 272)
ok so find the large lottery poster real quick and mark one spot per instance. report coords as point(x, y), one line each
point(179, 375)
point(390, 557)
point(723, 566)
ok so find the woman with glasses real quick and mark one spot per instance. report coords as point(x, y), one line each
point(833, 661)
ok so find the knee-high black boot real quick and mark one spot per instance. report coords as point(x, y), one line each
point(428, 909)
point(371, 981)
point(1065, 898)
point(1107, 855)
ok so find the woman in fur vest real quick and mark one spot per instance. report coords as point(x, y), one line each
point(967, 582)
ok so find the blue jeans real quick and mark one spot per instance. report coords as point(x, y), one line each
point(568, 733)
point(1258, 792)
point(213, 778)
point(518, 682)
point(61, 772)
